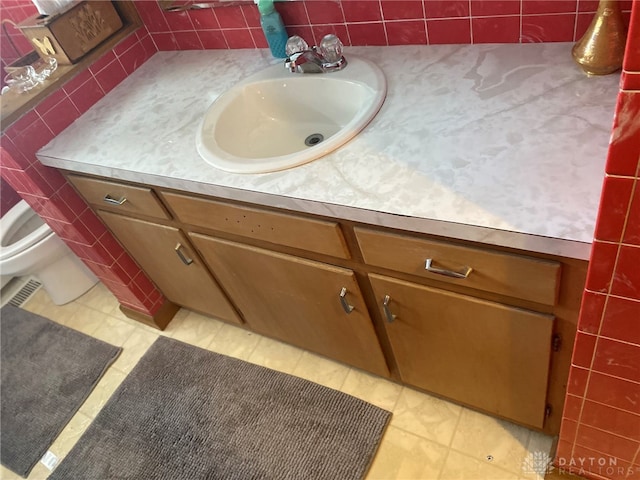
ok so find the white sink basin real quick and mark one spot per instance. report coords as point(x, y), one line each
point(261, 124)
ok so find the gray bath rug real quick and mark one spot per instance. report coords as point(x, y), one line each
point(187, 413)
point(47, 371)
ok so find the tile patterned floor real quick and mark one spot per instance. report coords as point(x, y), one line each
point(427, 439)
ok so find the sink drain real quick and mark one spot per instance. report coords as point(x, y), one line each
point(313, 139)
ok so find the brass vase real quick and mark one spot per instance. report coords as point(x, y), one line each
point(601, 49)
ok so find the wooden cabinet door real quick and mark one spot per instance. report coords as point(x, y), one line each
point(154, 247)
point(480, 353)
point(297, 301)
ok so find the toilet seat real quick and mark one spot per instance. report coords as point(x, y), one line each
point(12, 239)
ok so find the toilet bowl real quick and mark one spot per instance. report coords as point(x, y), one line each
point(29, 247)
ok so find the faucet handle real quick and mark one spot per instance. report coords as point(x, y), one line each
point(295, 44)
point(331, 48)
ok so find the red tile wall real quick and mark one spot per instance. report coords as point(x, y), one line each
point(600, 434)
point(48, 192)
point(378, 22)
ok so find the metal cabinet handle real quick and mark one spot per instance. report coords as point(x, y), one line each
point(114, 201)
point(463, 273)
point(387, 311)
point(343, 301)
point(186, 260)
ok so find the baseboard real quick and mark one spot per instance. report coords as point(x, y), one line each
point(159, 320)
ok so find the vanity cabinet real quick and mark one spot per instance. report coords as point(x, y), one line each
point(312, 305)
point(488, 327)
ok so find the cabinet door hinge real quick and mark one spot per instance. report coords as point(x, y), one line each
point(556, 342)
point(547, 410)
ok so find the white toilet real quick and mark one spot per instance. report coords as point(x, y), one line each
point(29, 247)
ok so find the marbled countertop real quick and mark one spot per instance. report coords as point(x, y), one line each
point(503, 144)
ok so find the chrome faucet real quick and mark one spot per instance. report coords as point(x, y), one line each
point(327, 57)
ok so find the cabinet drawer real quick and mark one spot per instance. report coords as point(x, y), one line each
point(282, 229)
point(516, 276)
point(119, 197)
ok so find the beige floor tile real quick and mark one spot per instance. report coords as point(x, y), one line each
point(426, 416)
point(537, 457)
point(234, 341)
point(193, 328)
point(403, 455)
point(102, 392)
point(321, 370)
point(39, 472)
point(275, 355)
point(40, 303)
point(375, 390)
point(480, 436)
point(70, 435)
point(101, 299)
point(6, 474)
point(86, 320)
point(113, 330)
point(134, 348)
point(463, 467)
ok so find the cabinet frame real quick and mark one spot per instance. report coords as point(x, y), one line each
point(570, 285)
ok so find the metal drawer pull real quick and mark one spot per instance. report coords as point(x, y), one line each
point(387, 311)
point(114, 201)
point(186, 260)
point(343, 301)
point(464, 273)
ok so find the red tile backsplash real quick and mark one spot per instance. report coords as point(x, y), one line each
point(591, 312)
point(487, 8)
point(622, 320)
point(597, 465)
point(548, 6)
point(619, 359)
point(632, 58)
point(361, 10)
point(623, 158)
point(449, 31)
point(615, 392)
point(409, 32)
point(446, 8)
point(577, 384)
point(495, 21)
point(573, 407)
point(324, 11)
point(603, 259)
point(227, 18)
point(610, 418)
point(626, 278)
point(585, 345)
point(239, 38)
point(606, 442)
point(367, 33)
point(605, 417)
point(401, 9)
point(615, 197)
point(496, 29)
point(548, 28)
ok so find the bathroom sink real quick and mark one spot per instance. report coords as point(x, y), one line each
point(276, 119)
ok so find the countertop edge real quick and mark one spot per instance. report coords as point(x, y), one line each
point(457, 231)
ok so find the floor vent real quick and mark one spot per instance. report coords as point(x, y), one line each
point(25, 293)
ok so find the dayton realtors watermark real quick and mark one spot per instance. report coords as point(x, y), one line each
point(540, 463)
